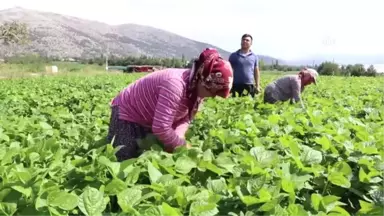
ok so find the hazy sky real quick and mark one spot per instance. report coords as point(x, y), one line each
point(287, 29)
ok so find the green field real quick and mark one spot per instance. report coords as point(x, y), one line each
point(248, 158)
point(20, 70)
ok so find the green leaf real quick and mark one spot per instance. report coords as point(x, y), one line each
point(224, 161)
point(337, 210)
point(24, 176)
point(316, 200)
point(301, 181)
point(310, 156)
point(185, 164)
point(287, 186)
point(133, 174)
point(153, 210)
point(268, 206)
point(255, 184)
point(92, 202)
point(263, 194)
point(208, 155)
point(264, 157)
point(343, 168)
point(8, 208)
point(45, 126)
point(280, 211)
point(366, 207)
point(330, 202)
point(201, 208)
point(324, 142)
point(115, 186)
point(63, 200)
point(339, 180)
point(169, 210)
point(184, 194)
point(25, 191)
point(154, 174)
point(210, 166)
point(40, 203)
point(128, 198)
point(217, 186)
point(113, 167)
point(295, 209)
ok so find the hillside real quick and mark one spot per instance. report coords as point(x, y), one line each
point(65, 36)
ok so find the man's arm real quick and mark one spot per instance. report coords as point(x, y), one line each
point(257, 75)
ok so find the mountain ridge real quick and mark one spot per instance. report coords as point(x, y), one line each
point(59, 35)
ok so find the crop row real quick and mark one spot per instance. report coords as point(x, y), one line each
point(248, 158)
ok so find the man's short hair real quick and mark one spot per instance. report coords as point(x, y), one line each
point(246, 35)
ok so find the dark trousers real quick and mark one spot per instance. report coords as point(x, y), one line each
point(243, 90)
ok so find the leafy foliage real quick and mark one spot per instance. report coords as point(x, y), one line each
point(13, 33)
point(248, 158)
point(330, 68)
point(371, 71)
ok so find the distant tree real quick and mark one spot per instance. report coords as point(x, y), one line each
point(371, 71)
point(261, 64)
point(276, 65)
point(13, 33)
point(357, 70)
point(348, 70)
point(328, 68)
point(343, 70)
point(190, 63)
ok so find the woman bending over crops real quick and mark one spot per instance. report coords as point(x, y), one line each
point(164, 103)
point(289, 87)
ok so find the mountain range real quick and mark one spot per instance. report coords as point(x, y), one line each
point(65, 36)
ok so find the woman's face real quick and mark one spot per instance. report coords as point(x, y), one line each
point(307, 79)
point(203, 92)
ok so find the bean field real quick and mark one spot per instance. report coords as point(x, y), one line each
point(248, 158)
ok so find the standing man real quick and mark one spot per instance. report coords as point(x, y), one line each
point(246, 71)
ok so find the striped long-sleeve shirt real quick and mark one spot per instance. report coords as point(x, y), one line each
point(158, 101)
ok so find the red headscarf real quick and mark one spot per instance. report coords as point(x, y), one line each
point(310, 73)
point(213, 72)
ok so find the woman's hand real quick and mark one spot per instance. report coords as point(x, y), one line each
point(188, 146)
